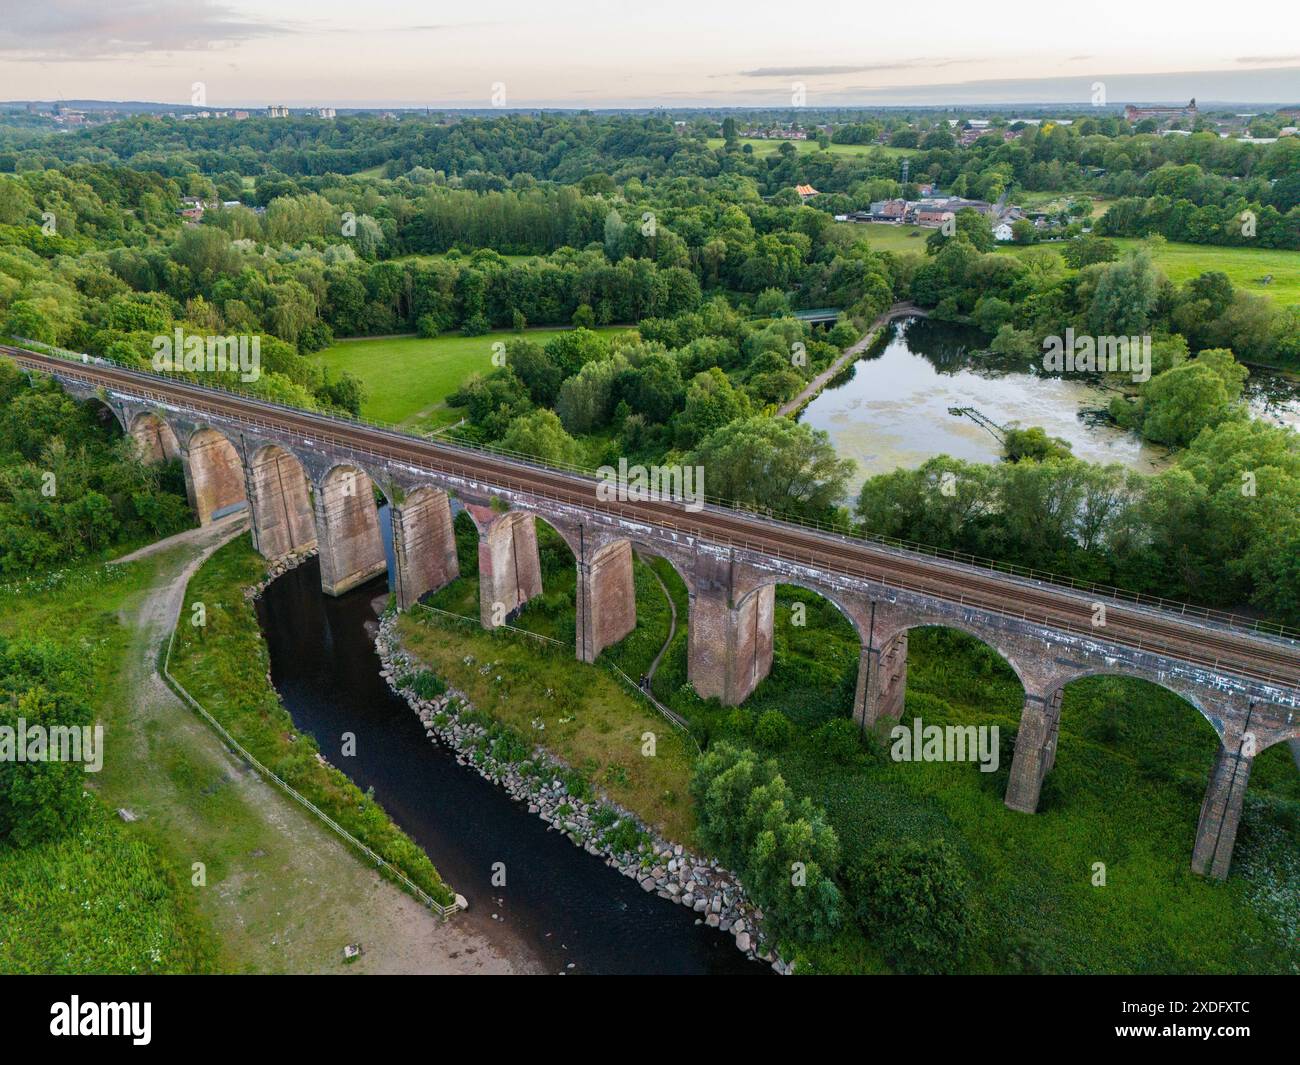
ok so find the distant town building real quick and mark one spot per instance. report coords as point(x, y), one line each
point(325, 112)
point(1160, 114)
point(277, 111)
point(927, 211)
point(933, 216)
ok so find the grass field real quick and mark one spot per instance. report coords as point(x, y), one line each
point(1245, 267)
point(409, 378)
point(107, 898)
point(767, 147)
point(582, 714)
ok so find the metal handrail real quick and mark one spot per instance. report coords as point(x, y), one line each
point(1185, 610)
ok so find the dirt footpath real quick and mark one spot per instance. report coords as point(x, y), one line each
point(283, 893)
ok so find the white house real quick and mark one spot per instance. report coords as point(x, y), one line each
point(1002, 231)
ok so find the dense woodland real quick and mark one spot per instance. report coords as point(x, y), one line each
point(515, 221)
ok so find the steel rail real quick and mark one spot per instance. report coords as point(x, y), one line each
point(1202, 641)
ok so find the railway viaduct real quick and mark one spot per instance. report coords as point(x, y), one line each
point(311, 480)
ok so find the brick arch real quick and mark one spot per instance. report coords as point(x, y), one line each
point(155, 439)
point(757, 608)
point(345, 465)
point(214, 474)
point(884, 634)
point(651, 550)
point(95, 400)
point(1187, 692)
point(851, 612)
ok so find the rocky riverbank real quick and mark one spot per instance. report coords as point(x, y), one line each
point(660, 866)
point(278, 567)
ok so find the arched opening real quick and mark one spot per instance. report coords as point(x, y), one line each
point(104, 418)
point(961, 668)
point(154, 439)
point(348, 530)
point(1156, 780)
point(653, 650)
point(553, 612)
point(513, 568)
point(460, 596)
point(816, 654)
point(948, 705)
point(283, 519)
point(214, 476)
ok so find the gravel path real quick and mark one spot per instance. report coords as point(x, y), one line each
point(283, 893)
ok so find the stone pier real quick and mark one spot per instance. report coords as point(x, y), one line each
point(730, 646)
point(1040, 723)
point(278, 490)
point(1216, 831)
point(882, 681)
point(347, 531)
point(509, 569)
point(424, 545)
point(606, 599)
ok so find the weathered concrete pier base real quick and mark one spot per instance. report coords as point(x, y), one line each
point(347, 528)
point(606, 599)
point(424, 545)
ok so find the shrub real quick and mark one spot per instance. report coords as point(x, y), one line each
point(912, 899)
point(773, 730)
point(838, 740)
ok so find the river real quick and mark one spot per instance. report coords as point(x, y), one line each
point(565, 909)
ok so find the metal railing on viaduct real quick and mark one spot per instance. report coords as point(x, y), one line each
point(303, 473)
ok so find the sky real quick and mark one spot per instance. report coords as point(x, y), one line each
point(671, 53)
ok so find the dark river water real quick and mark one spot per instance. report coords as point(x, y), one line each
point(563, 905)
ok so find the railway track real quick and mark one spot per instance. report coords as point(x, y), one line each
point(1200, 641)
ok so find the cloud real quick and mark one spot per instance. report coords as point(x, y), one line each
point(1254, 60)
point(815, 71)
point(75, 30)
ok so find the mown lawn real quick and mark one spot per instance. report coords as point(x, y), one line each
point(1245, 267)
point(410, 378)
